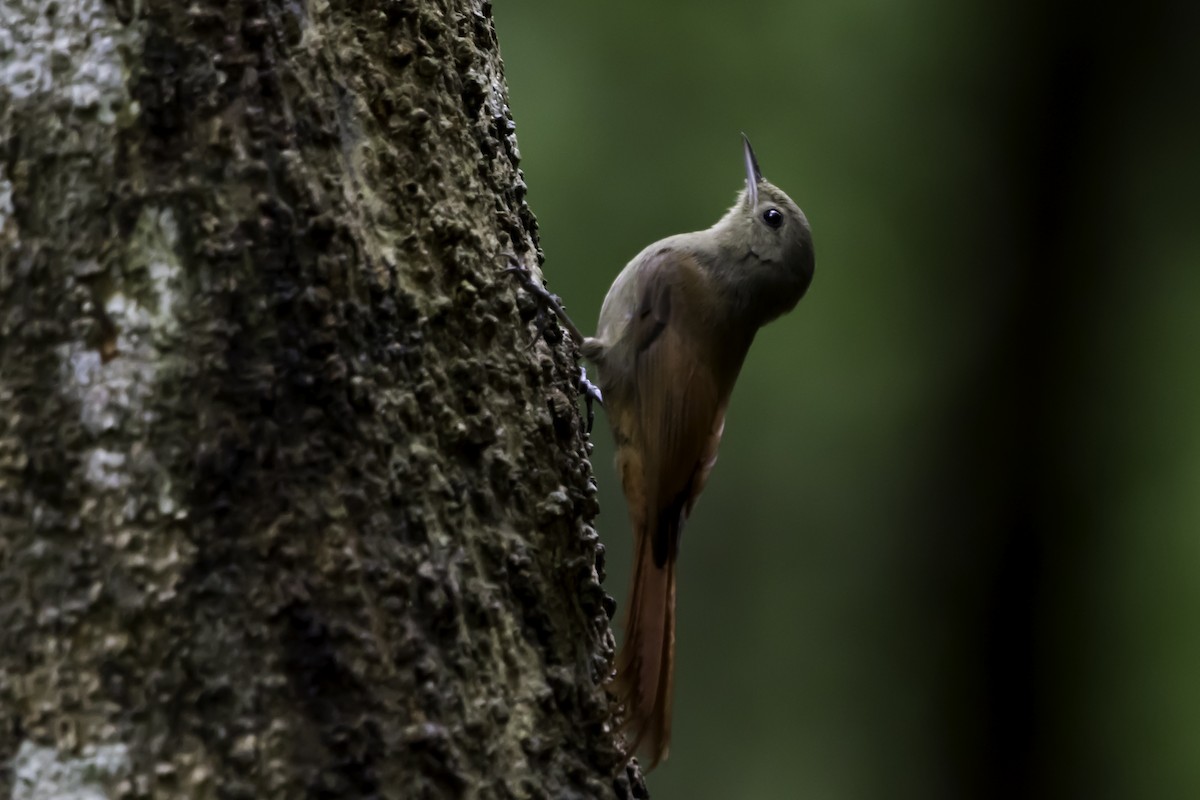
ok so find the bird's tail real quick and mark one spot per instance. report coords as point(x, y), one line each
point(646, 664)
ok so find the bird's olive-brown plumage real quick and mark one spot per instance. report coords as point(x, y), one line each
point(673, 333)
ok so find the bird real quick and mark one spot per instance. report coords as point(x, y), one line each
point(673, 332)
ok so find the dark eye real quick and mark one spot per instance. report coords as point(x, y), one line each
point(773, 217)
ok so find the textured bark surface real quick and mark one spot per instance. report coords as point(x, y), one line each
point(289, 506)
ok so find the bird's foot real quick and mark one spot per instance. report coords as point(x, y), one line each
point(591, 394)
point(546, 300)
point(549, 302)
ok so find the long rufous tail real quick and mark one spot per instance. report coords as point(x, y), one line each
point(646, 664)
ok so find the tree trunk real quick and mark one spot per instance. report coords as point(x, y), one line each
point(289, 505)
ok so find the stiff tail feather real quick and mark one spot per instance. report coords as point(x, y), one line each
point(646, 664)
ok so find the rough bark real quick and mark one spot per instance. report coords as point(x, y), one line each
point(289, 506)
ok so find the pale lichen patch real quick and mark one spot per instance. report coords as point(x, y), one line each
point(153, 247)
point(113, 393)
point(106, 393)
point(105, 469)
point(67, 45)
point(6, 199)
point(44, 773)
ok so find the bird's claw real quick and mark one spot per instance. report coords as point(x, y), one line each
point(591, 394)
point(547, 300)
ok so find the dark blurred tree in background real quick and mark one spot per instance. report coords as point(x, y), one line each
point(951, 548)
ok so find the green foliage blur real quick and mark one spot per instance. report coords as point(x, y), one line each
point(952, 544)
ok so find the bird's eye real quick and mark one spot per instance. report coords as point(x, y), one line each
point(772, 217)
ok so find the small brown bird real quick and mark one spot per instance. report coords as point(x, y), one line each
point(673, 333)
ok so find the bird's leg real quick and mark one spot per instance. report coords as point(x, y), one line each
point(591, 392)
point(547, 300)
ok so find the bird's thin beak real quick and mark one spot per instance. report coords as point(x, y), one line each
point(753, 174)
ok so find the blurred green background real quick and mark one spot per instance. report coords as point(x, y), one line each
point(952, 544)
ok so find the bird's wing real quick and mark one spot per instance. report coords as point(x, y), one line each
point(676, 407)
point(667, 411)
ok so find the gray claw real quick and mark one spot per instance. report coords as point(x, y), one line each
point(591, 393)
point(539, 291)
